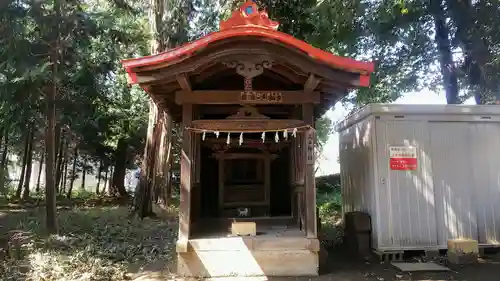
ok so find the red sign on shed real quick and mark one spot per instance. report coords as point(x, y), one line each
point(403, 158)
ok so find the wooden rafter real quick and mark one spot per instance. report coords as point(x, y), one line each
point(183, 81)
point(311, 84)
point(209, 72)
point(288, 74)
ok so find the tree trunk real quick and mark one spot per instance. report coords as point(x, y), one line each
point(50, 150)
point(73, 173)
point(143, 198)
point(118, 182)
point(25, 160)
point(110, 182)
point(98, 177)
point(442, 38)
point(156, 11)
point(60, 185)
point(476, 51)
point(29, 165)
point(65, 176)
point(3, 162)
point(60, 161)
point(166, 162)
point(105, 180)
point(158, 159)
point(84, 172)
point(5, 151)
point(41, 161)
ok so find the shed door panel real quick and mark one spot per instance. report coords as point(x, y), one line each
point(451, 156)
point(405, 198)
point(485, 165)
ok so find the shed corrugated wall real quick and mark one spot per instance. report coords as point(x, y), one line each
point(455, 191)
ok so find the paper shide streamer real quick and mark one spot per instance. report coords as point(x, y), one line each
point(286, 133)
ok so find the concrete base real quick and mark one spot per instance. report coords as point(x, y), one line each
point(463, 251)
point(249, 256)
point(244, 228)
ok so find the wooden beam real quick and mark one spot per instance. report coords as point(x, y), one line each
point(310, 180)
point(150, 79)
point(186, 178)
point(244, 156)
point(311, 84)
point(267, 110)
point(183, 81)
point(242, 97)
point(243, 125)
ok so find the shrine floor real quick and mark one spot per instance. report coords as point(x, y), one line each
point(266, 227)
point(214, 252)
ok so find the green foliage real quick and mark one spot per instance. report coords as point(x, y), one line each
point(95, 107)
point(83, 194)
point(324, 128)
point(329, 202)
point(94, 244)
point(328, 184)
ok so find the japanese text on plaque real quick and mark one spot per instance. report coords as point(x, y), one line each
point(252, 96)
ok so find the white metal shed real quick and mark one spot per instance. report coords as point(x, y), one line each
point(425, 173)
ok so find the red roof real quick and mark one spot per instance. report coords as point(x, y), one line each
point(249, 21)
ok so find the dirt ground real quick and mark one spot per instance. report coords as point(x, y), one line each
point(340, 268)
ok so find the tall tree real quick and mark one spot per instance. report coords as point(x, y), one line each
point(442, 38)
point(51, 93)
point(473, 38)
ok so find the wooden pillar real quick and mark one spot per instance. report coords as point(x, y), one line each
point(292, 168)
point(195, 174)
point(310, 180)
point(186, 179)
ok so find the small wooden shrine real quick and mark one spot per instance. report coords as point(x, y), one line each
point(247, 97)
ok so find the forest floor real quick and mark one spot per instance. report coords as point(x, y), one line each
point(99, 241)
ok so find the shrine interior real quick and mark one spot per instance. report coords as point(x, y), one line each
point(251, 189)
point(244, 181)
point(235, 183)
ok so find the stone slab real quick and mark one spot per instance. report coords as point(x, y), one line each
point(463, 246)
point(420, 266)
point(243, 228)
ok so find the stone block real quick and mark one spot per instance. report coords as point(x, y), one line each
point(244, 228)
point(463, 251)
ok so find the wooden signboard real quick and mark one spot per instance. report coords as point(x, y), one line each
point(310, 147)
point(246, 97)
point(261, 97)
